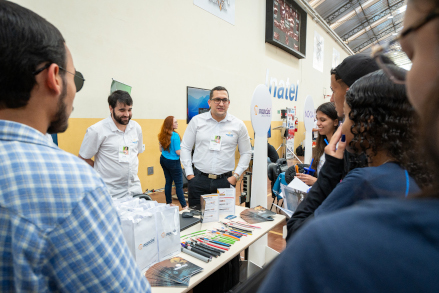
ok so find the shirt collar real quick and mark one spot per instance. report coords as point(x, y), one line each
point(14, 131)
point(113, 126)
point(228, 117)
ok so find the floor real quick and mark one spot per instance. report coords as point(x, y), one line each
point(275, 236)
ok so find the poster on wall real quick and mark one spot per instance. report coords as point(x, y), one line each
point(224, 9)
point(196, 102)
point(318, 52)
point(286, 26)
point(335, 58)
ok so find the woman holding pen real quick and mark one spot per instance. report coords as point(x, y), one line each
point(327, 123)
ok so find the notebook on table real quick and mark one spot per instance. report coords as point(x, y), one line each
point(187, 222)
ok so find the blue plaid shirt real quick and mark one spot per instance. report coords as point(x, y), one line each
point(58, 228)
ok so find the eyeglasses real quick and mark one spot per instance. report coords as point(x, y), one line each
point(393, 51)
point(217, 101)
point(78, 77)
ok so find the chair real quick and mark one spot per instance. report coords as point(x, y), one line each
point(274, 170)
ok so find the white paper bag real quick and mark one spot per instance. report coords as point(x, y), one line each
point(139, 232)
point(168, 231)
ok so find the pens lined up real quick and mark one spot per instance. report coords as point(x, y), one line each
point(211, 243)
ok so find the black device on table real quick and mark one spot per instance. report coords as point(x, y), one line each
point(186, 222)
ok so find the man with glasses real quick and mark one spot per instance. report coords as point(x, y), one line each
point(59, 230)
point(115, 143)
point(215, 135)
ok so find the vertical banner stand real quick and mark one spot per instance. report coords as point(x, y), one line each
point(309, 117)
point(260, 112)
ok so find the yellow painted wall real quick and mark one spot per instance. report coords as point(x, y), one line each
point(71, 140)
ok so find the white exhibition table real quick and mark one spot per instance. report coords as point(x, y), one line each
point(218, 262)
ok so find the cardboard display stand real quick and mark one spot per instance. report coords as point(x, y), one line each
point(261, 120)
point(309, 117)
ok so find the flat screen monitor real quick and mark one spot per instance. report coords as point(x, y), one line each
point(196, 102)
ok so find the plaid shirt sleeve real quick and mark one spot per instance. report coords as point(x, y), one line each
point(90, 242)
point(86, 252)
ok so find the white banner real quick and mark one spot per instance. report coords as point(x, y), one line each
point(318, 52)
point(224, 9)
point(309, 118)
point(335, 58)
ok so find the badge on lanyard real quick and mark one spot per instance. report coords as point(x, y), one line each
point(124, 153)
point(215, 143)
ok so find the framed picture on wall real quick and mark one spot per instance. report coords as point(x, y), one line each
point(285, 26)
point(196, 102)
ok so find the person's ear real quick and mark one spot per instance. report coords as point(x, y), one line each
point(54, 79)
point(111, 109)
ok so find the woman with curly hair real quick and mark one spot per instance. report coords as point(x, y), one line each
point(170, 159)
point(381, 123)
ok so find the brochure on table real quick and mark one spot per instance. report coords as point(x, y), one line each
point(226, 201)
point(210, 208)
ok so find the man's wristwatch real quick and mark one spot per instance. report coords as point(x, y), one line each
point(236, 176)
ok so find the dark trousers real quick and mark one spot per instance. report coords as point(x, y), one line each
point(201, 184)
point(173, 172)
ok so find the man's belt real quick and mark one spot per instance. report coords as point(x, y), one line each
point(213, 176)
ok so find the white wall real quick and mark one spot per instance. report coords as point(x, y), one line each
point(160, 47)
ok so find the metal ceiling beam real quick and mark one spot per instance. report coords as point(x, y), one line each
point(368, 22)
point(352, 13)
point(374, 18)
point(315, 3)
point(331, 18)
point(319, 20)
point(385, 33)
point(382, 38)
point(368, 28)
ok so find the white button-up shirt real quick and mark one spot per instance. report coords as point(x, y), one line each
point(103, 141)
point(200, 131)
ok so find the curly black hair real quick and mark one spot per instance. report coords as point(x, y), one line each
point(383, 119)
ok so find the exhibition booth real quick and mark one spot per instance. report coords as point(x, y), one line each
point(273, 56)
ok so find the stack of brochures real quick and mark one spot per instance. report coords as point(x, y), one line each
point(173, 272)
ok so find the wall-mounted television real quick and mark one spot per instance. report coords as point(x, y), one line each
point(196, 102)
point(285, 26)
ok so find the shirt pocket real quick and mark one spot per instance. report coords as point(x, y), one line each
point(229, 139)
point(134, 142)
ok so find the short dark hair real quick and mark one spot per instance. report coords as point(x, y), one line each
point(26, 41)
point(122, 97)
point(334, 71)
point(218, 88)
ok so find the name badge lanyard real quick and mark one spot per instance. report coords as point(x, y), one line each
point(124, 150)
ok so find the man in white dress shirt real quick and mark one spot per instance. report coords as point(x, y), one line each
point(115, 142)
point(215, 135)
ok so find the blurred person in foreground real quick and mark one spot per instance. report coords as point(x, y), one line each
point(381, 245)
point(59, 230)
